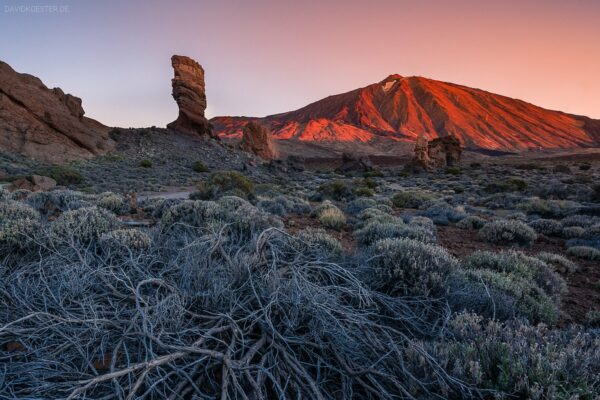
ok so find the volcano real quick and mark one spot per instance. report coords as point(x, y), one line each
point(400, 108)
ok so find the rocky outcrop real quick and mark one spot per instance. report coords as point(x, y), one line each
point(46, 124)
point(351, 163)
point(438, 153)
point(33, 183)
point(189, 93)
point(258, 140)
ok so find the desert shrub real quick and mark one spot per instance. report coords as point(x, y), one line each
point(500, 296)
point(373, 174)
point(373, 214)
point(199, 166)
point(471, 222)
point(4, 195)
point(193, 213)
point(506, 231)
point(17, 234)
point(332, 218)
point(337, 190)
point(506, 185)
point(583, 221)
point(375, 230)
point(558, 262)
point(321, 241)
point(529, 167)
point(412, 199)
point(64, 175)
point(58, 200)
point(174, 311)
point(113, 202)
point(571, 232)
point(324, 206)
point(585, 167)
point(409, 267)
point(585, 252)
point(562, 169)
point(443, 213)
point(453, 170)
point(517, 216)
point(13, 210)
point(521, 266)
point(422, 222)
point(284, 204)
point(548, 208)
point(83, 225)
point(145, 163)
point(502, 200)
point(357, 205)
point(516, 360)
point(20, 194)
point(549, 227)
point(363, 192)
point(130, 239)
point(223, 183)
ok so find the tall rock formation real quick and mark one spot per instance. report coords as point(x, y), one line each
point(258, 139)
point(435, 154)
point(189, 93)
point(46, 124)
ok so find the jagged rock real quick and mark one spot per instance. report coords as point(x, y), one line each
point(189, 93)
point(46, 124)
point(257, 139)
point(435, 154)
point(351, 163)
point(33, 183)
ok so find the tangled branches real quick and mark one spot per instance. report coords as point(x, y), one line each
point(206, 311)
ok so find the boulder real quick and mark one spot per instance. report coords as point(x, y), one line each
point(46, 124)
point(257, 139)
point(189, 93)
point(351, 163)
point(33, 183)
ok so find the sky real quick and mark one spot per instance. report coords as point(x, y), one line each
point(263, 57)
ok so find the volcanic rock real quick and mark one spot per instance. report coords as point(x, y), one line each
point(350, 163)
point(438, 153)
point(46, 124)
point(258, 140)
point(33, 183)
point(189, 93)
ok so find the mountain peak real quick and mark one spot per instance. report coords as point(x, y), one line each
point(401, 108)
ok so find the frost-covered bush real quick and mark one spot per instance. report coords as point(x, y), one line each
point(83, 225)
point(549, 227)
point(558, 262)
point(113, 202)
point(193, 213)
point(320, 240)
point(548, 208)
point(132, 239)
point(17, 234)
point(360, 204)
point(20, 194)
point(422, 222)
point(375, 230)
point(517, 360)
point(413, 199)
point(583, 221)
point(409, 267)
point(570, 232)
point(284, 204)
point(471, 222)
point(443, 213)
point(501, 296)
point(13, 210)
point(585, 252)
point(522, 266)
point(333, 218)
point(506, 231)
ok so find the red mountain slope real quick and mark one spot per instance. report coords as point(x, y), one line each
point(399, 108)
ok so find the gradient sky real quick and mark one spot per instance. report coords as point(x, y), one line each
point(268, 56)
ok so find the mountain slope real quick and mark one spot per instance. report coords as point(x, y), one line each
point(400, 108)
